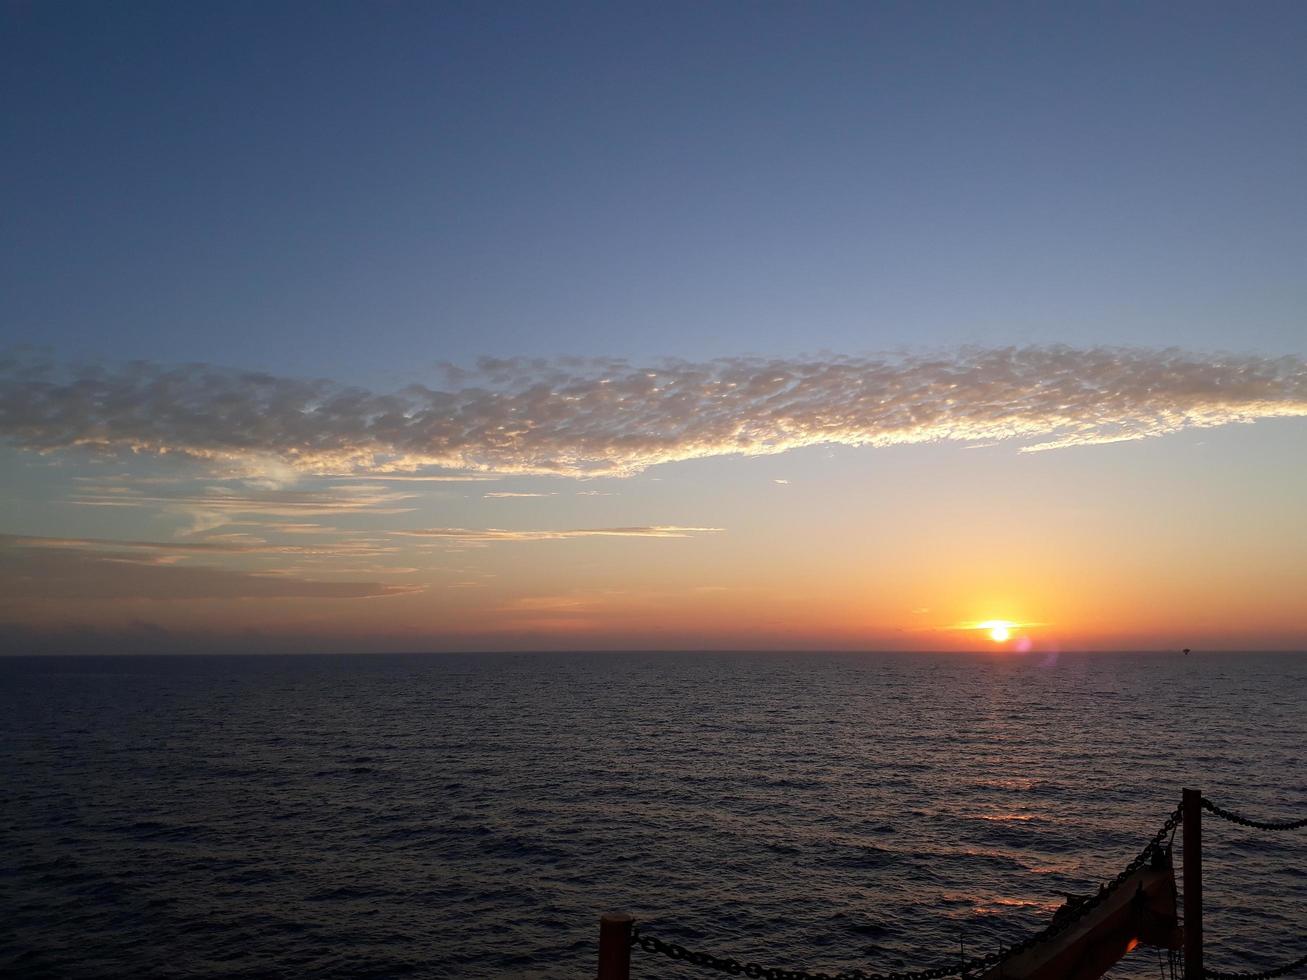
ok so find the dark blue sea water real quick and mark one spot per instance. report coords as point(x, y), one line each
point(471, 816)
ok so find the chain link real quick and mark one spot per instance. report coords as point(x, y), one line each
point(1279, 971)
point(735, 968)
point(1224, 814)
point(1248, 822)
point(1064, 919)
point(1260, 825)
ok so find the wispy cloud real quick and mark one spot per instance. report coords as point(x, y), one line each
point(511, 495)
point(275, 503)
point(587, 418)
point(492, 535)
point(227, 544)
point(295, 527)
point(214, 507)
point(56, 569)
point(388, 477)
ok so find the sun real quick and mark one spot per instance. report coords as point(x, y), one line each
point(1000, 630)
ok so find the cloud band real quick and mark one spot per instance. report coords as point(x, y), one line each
point(587, 418)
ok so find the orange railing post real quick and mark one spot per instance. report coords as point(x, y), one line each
point(1192, 811)
point(615, 946)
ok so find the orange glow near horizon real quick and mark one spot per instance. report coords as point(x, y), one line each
point(970, 573)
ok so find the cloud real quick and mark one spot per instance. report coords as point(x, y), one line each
point(179, 547)
point(293, 527)
point(511, 495)
point(492, 535)
point(221, 506)
point(275, 503)
point(387, 477)
point(42, 571)
point(216, 545)
point(597, 418)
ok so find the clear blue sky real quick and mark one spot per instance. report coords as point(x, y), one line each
point(355, 190)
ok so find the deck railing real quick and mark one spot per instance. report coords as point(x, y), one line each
point(1085, 937)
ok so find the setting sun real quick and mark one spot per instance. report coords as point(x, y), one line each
point(1000, 630)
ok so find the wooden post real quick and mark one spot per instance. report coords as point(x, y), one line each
point(1193, 884)
point(615, 946)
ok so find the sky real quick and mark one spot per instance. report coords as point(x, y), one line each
point(533, 326)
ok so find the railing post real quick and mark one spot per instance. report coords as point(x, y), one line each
point(1192, 806)
point(615, 946)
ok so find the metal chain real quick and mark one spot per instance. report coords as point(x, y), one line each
point(1062, 920)
point(1260, 825)
point(1278, 971)
point(734, 967)
point(1247, 822)
point(1243, 821)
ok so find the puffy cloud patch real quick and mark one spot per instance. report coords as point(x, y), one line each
point(588, 418)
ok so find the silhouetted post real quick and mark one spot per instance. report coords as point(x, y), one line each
point(615, 946)
point(1192, 805)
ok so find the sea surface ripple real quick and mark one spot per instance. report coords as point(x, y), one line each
point(472, 815)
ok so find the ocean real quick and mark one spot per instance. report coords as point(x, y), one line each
point(473, 815)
